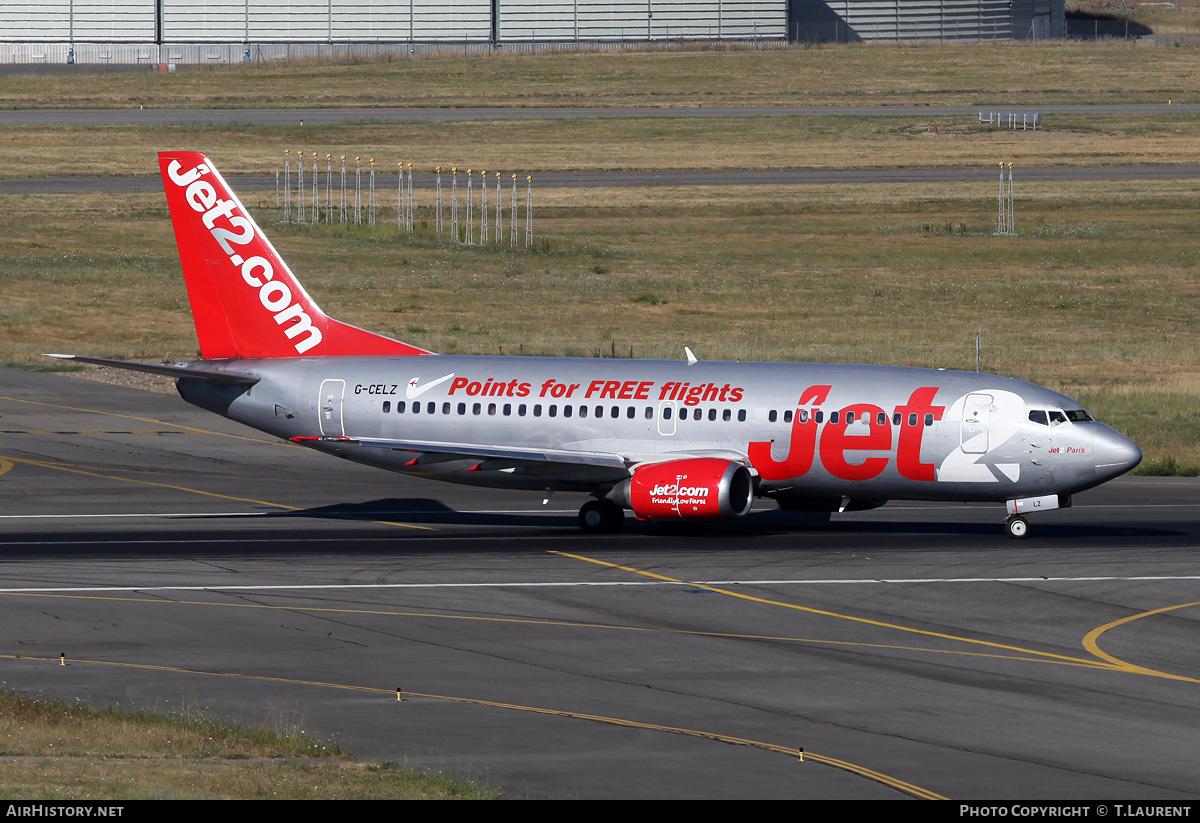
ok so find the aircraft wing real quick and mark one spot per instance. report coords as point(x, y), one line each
point(471, 451)
point(229, 377)
point(582, 468)
point(575, 457)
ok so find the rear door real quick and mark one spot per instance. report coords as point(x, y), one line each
point(329, 408)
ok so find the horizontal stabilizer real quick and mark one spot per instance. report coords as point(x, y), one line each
point(228, 377)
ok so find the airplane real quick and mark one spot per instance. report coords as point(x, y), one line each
point(684, 440)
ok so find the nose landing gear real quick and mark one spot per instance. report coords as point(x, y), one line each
point(1017, 527)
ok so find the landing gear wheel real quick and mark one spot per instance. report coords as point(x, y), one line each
point(1018, 527)
point(601, 517)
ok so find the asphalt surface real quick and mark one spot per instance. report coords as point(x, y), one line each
point(180, 561)
point(716, 177)
point(335, 116)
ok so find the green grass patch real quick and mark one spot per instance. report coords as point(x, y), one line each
point(66, 751)
point(47, 367)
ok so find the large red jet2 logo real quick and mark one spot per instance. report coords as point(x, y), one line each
point(836, 444)
point(257, 271)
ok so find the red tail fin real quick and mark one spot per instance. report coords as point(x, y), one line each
point(245, 301)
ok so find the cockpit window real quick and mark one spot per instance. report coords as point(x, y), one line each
point(1078, 416)
point(1057, 417)
point(1038, 416)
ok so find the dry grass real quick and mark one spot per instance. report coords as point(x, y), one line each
point(1098, 296)
point(967, 74)
point(92, 779)
point(55, 751)
point(639, 143)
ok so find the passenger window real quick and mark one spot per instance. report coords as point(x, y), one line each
point(1038, 416)
point(491, 408)
point(462, 408)
point(666, 412)
point(508, 409)
point(583, 411)
point(833, 417)
point(399, 407)
point(537, 409)
point(553, 410)
point(929, 420)
point(881, 419)
point(697, 415)
point(802, 415)
point(476, 408)
point(819, 416)
point(741, 415)
point(567, 411)
point(446, 408)
point(771, 415)
point(432, 407)
point(896, 418)
point(649, 412)
point(631, 412)
point(849, 418)
point(727, 415)
point(712, 414)
point(387, 406)
point(787, 416)
point(912, 420)
point(521, 409)
point(416, 409)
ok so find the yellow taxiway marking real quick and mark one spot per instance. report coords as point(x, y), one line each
point(87, 431)
point(525, 621)
point(316, 481)
point(57, 467)
point(838, 616)
point(1111, 664)
point(5, 464)
point(837, 763)
point(145, 420)
point(1090, 643)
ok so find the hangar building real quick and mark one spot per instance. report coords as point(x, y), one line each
point(212, 31)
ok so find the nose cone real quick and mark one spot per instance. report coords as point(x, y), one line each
point(1115, 453)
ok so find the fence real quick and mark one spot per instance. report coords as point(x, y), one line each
point(192, 54)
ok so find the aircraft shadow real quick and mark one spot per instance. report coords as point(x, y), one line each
point(429, 511)
point(321, 530)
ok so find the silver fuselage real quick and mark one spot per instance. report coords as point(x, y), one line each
point(916, 433)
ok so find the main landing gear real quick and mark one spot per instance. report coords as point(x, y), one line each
point(601, 517)
point(1017, 526)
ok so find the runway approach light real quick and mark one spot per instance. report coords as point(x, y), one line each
point(399, 695)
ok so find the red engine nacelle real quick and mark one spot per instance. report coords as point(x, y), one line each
point(700, 488)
